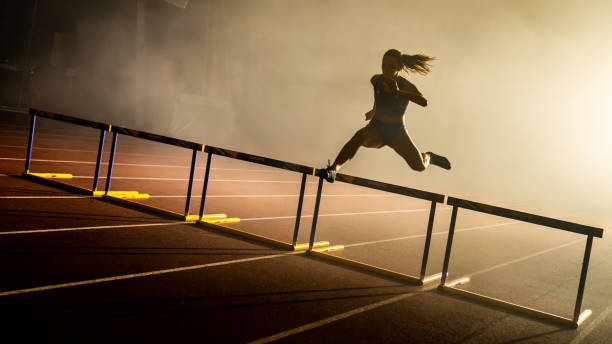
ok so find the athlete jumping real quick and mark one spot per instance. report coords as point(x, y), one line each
point(387, 126)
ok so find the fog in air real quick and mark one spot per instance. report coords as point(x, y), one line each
point(519, 94)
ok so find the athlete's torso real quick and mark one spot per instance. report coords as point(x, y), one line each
point(387, 103)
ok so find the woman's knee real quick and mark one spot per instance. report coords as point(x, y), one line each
point(414, 161)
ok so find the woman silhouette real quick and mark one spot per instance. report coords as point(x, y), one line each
point(387, 121)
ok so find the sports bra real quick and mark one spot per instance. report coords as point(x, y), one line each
point(388, 103)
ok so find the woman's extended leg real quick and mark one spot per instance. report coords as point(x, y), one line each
point(418, 161)
point(404, 146)
point(367, 136)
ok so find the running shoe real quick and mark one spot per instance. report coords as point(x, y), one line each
point(439, 160)
point(329, 173)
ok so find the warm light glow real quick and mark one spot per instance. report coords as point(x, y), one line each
point(458, 282)
point(432, 278)
point(306, 246)
point(587, 313)
point(330, 249)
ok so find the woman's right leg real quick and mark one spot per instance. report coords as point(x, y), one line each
point(367, 136)
point(403, 145)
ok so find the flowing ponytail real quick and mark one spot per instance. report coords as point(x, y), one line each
point(418, 63)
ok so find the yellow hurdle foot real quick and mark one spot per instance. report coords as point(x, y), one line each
point(205, 217)
point(319, 244)
point(52, 175)
point(130, 196)
point(330, 248)
point(222, 220)
point(115, 193)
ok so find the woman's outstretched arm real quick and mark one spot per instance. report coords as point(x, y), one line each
point(410, 92)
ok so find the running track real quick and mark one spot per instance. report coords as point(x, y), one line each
point(74, 267)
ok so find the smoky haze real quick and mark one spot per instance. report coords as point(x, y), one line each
point(519, 96)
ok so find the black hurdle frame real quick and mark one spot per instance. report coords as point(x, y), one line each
point(260, 160)
point(372, 184)
point(35, 114)
point(589, 231)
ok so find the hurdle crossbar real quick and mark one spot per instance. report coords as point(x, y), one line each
point(68, 119)
point(526, 217)
point(578, 316)
point(158, 138)
point(396, 189)
point(260, 160)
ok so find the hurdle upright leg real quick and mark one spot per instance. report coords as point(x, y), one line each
point(583, 274)
point(432, 213)
point(111, 161)
point(194, 158)
point(205, 186)
point(449, 243)
point(30, 143)
point(316, 214)
point(99, 160)
point(299, 210)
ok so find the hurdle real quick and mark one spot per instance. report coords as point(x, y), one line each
point(193, 146)
point(578, 316)
point(434, 198)
point(125, 198)
point(256, 159)
point(59, 179)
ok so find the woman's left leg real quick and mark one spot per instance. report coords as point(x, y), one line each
point(404, 146)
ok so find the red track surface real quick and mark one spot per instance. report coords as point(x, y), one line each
point(272, 292)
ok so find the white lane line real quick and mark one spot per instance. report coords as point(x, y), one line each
point(142, 274)
point(40, 134)
point(342, 214)
point(42, 197)
point(479, 272)
point(209, 196)
point(200, 180)
point(416, 236)
point(331, 319)
point(125, 164)
point(362, 309)
point(89, 151)
point(38, 137)
point(279, 196)
point(13, 109)
point(68, 229)
point(592, 325)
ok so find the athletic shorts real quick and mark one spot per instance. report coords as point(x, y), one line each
point(387, 131)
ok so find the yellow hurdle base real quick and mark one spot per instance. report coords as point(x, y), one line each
point(115, 193)
point(52, 175)
point(222, 220)
point(299, 247)
point(329, 249)
point(205, 217)
point(121, 194)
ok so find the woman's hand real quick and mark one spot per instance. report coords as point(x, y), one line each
point(369, 115)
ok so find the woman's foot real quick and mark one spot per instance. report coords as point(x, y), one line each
point(329, 173)
point(439, 160)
